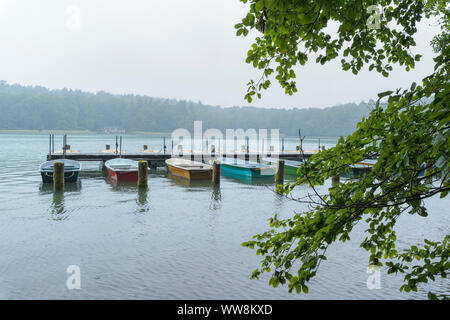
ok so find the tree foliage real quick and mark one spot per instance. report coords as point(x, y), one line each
point(410, 137)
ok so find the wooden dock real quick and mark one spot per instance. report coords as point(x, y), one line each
point(160, 158)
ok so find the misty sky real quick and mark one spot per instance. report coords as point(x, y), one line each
point(183, 49)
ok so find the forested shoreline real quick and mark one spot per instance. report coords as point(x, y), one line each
point(39, 108)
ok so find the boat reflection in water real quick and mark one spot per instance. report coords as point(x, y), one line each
point(131, 187)
point(47, 188)
point(216, 198)
point(57, 209)
point(256, 181)
point(199, 185)
point(180, 181)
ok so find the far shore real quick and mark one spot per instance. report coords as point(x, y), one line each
point(79, 132)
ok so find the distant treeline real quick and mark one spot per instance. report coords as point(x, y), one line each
point(38, 108)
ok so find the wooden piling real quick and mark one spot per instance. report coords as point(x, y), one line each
point(142, 174)
point(216, 172)
point(335, 180)
point(107, 147)
point(58, 176)
point(164, 144)
point(279, 175)
point(145, 147)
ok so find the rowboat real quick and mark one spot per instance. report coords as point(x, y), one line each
point(290, 166)
point(122, 169)
point(71, 170)
point(192, 170)
point(245, 169)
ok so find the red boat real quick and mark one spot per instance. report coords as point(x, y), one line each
point(122, 169)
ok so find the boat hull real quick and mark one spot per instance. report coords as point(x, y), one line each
point(47, 177)
point(191, 175)
point(290, 170)
point(290, 167)
point(71, 170)
point(243, 172)
point(125, 176)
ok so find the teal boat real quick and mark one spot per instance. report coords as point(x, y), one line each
point(290, 166)
point(238, 168)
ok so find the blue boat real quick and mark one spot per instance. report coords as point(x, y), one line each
point(238, 168)
point(71, 170)
point(359, 169)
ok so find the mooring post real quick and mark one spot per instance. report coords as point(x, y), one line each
point(216, 172)
point(145, 147)
point(64, 145)
point(58, 176)
point(107, 147)
point(164, 144)
point(142, 174)
point(335, 180)
point(279, 175)
point(120, 155)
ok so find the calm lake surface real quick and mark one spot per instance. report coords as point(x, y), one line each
point(175, 241)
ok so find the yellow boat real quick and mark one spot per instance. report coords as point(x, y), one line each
point(192, 170)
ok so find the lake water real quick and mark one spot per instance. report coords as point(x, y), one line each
point(175, 241)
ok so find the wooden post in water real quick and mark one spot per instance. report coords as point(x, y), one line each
point(58, 176)
point(247, 149)
point(107, 147)
point(142, 174)
point(64, 145)
point(120, 152)
point(164, 144)
point(145, 147)
point(335, 180)
point(279, 175)
point(216, 172)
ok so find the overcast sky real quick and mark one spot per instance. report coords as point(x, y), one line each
point(183, 49)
